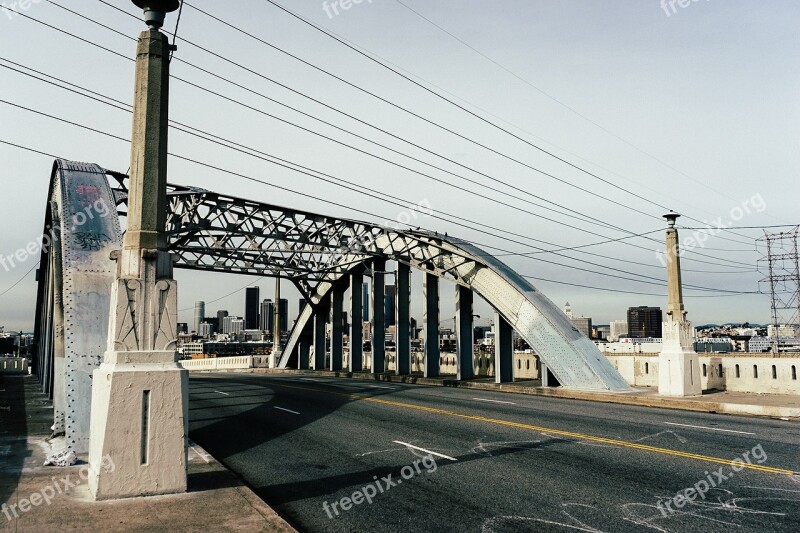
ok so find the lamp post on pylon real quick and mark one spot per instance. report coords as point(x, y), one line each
point(140, 394)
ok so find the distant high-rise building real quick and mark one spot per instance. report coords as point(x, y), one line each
point(221, 314)
point(214, 324)
point(199, 315)
point(584, 324)
point(644, 322)
point(568, 311)
point(251, 301)
point(228, 324)
point(206, 329)
point(284, 310)
point(183, 327)
point(365, 302)
point(267, 316)
point(617, 329)
point(237, 326)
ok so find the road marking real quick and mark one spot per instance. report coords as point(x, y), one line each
point(220, 392)
point(493, 401)
point(407, 445)
point(287, 410)
point(622, 443)
point(382, 387)
point(712, 429)
point(308, 379)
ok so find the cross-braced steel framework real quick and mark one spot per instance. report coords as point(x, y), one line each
point(219, 233)
point(781, 267)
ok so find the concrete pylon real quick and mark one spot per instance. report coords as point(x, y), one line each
point(678, 363)
point(139, 393)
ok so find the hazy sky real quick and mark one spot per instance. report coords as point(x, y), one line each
point(695, 110)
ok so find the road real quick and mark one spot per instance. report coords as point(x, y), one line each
point(439, 459)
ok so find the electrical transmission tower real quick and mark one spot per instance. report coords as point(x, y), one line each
point(782, 282)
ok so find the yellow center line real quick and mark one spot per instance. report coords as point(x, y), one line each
point(579, 436)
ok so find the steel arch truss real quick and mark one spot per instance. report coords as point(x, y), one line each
point(215, 232)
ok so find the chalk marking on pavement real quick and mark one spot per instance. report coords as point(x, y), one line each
point(682, 440)
point(220, 392)
point(493, 401)
point(622, 443)
point(771, 488)
point(407, 445)
point(712, 429)
point(287, 410)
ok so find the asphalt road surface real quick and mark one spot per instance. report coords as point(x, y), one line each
point(345, 455)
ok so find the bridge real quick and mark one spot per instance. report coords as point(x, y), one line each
point(321, 255)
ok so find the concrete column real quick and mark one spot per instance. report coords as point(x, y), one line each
point(503, 350)
point(337, 327)
point(403, 320)
point(356, 360)
point(678, 363)
point(320, 321)
point(139, 410)
point(465, 333)
point(430, 319)
point(378, 316)
point(544, 373)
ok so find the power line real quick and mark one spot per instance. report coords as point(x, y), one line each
point(556, 100)
point(457, 105)
point(327, 201)
point(399, 204)
point(126, 107)
point(26, 273)
point(310, 131)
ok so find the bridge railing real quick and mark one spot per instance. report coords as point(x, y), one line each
point(13, 365)
point(218, 363)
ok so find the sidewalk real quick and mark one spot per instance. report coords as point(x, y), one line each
point(723, 402)
point(217, 500)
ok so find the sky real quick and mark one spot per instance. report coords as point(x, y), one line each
point(625, 109)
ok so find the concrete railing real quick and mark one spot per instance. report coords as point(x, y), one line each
point(218, 363)
point(739, 372)
point(13, 365)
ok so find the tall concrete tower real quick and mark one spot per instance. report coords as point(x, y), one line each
point(678, 363)
point(140, 394)
point(199, 315)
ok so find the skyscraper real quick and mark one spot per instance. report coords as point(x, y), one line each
point(267, 316)
point(251, 301)
point(199, 315)
point(644, 322)
point(284, 310)
point(365, 302)
point(221, 314)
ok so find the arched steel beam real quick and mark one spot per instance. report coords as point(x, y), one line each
point(81, 230)
point(216, 232)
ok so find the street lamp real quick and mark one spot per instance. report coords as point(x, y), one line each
point(155, 11)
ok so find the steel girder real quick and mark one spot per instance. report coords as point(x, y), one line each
point(216, 232)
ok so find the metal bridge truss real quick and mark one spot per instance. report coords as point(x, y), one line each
point(320, 255)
